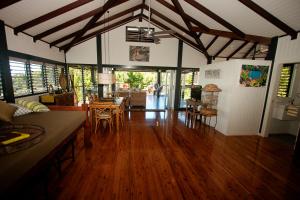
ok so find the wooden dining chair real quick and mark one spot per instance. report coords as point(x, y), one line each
point(192, 112)
point(102, 112)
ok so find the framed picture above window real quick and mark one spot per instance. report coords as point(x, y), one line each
point(139, 53)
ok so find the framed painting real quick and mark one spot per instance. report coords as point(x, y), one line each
point(254, 75)
point(139, 53)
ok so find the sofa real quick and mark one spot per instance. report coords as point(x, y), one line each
point(138, 98)
point(135, 97)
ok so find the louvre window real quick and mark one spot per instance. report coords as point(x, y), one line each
point(51, 75)
point(1, 88)
point(37, 78)
point(286, 76)
point(20, 78)
point(138, 34)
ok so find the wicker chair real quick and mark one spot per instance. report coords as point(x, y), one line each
point(102, 112)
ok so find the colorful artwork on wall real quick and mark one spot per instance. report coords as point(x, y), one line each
point(139, 53)
point(254, 75)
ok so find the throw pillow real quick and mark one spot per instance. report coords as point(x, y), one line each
point(21, 110)
point(6, 112)
point(33, 105)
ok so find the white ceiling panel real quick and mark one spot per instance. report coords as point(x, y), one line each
point(205, 38)
point(123, 6)
point(64, 42)
point(231, 48)
point(107, 24)
point(243, 51)
point(201, 17)
point(219, 43)
point(27, 10)
point(64, 18)
point(66, 31)
point(287, 11)
point(241, 17)
point(168, 13)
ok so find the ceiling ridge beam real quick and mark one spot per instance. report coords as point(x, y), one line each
point(249, 38)
point(211, 42)
point(69, 23)
point(269, 17)
point(4, 4)
point(216, 17)
point(50, 15)
point(223, 48)
point(92, 21)
point(103, 30)
point(237, 50)
point(188, 24)
point(251, 49)
point(99, 23)
point(188, 17)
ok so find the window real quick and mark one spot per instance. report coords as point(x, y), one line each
point(286, 76)
point(137, 34)
point(37, 78)
point(51, 75)
point(1, 88)
point(20, 78)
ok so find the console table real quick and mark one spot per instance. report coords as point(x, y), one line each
point(65, 99)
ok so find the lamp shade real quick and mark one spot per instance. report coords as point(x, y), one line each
point(106, 78)
point(211, 88)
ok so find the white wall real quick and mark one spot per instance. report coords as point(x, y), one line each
point(24, 44)
point(191, 58)
point(84, 53)
point(288, 51)
point(239, 108)
point(163, 54)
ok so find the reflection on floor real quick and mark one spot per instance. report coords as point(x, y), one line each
point(283, 138)
point(152, 103)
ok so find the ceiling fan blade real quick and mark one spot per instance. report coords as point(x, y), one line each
point(163, 36)
point(164, 32)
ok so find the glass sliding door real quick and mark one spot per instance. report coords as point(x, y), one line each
point(185, 89)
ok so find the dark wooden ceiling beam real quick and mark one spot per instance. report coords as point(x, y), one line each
point(216, 17)
point(237, 50)
point(92, 21)
point(50, 15)
point(223, 48)
point(189, 25)
point(251, 49)
point(177, 35)
point(158, 14)
point(211, 42)
point(70, 22)
point(142, 11)
point(99, 23)
point(271, 18)
point(6, 3)
point(249, 38)
point(103, 30)
point(186, 16)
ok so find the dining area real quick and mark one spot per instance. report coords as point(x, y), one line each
point(106, 113)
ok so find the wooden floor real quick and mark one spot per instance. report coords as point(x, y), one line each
point(155, 156)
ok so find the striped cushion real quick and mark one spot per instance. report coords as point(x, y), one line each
point(33, 105)
point(20, 110)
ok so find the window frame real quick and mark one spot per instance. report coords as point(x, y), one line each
point(139, 32)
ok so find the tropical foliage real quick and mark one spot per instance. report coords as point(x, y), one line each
point(254, 75)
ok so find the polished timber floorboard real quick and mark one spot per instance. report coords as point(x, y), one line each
point(155, 156)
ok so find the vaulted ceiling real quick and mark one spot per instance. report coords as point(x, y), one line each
point(217, 28)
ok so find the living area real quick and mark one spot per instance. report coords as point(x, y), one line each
point(149, 99)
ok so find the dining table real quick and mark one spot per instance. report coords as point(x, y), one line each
point(115, 105)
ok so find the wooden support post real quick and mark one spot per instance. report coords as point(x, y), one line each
point(7, 84)
point(178, 76)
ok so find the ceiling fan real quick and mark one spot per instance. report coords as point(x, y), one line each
point(156, 35)
point(261, 50)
